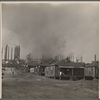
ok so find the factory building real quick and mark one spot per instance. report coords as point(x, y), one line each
point(6, 53)
point(17, 52)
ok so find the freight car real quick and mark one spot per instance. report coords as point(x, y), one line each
point(55, 71)
point(52, 71)
point(48, 72)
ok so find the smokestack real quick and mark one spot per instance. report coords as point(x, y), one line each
point(60, 57)
point(81, 59)
point(11, 53)
point(19, 52)
point(76, 59)
point(14, 53)
point(2, 52)
point(8, 53)
point(95, 57)
point(33, 57)
point(70, 58)
point(73, 58)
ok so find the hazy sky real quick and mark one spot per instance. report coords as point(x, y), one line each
point(69, 28)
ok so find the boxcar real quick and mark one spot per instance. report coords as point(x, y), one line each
point(49, 72)
point(46, 72)
point(54, 71)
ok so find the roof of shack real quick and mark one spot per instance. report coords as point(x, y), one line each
point(44, 64)
point(66, 64)
point(93, 64)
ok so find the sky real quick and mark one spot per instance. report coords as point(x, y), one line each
point(50, 28)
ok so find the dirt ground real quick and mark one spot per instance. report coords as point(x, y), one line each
point(28, 85)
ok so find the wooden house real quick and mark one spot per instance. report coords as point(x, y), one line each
point(71, 69)
point(92, 70)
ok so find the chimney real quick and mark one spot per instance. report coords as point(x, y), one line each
point(95, 57)
point(2, 52)
point(77, 59)
point(11, 53)
point(70, 57)
point(73, 58)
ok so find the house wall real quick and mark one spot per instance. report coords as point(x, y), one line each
point(90, 71)
point(36, 70)
point(31, 70)
point(54, 71)
point(67, 71)
point(79, 72)
point(96, 72)
point(46, 72)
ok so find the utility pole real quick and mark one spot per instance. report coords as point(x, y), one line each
point(95, 57)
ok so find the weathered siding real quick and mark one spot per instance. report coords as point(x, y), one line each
point(90, 72)
point(78, 72)
point(54, 71)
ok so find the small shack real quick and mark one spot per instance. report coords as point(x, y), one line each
point(52, 71)
point(65, 69)
point(71, 70)
point(48, 71)
point(92, 70)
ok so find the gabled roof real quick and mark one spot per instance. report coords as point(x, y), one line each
point(70, 64)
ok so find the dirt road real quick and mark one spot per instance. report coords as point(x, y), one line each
point(26, 85)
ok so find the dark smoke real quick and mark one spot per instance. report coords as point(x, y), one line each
point(52, 29)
